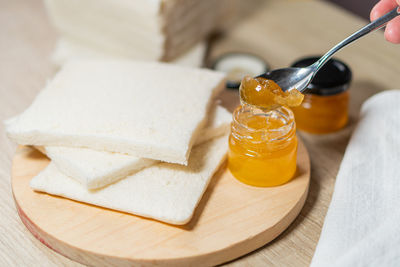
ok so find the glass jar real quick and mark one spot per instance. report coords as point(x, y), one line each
point(325, 105)
point(262, 145)
point(321, 114)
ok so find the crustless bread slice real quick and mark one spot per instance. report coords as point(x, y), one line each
point(164, 191)
point(95, 169)
point(150, 110)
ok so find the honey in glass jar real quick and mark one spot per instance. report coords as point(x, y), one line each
point(325, 105)
point(263, 145)
point(263, 142)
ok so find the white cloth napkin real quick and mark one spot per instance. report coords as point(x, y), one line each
point(362, 226)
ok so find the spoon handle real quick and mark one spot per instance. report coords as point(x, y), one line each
point(374, 25)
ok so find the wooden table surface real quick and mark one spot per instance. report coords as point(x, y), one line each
point(279, 31)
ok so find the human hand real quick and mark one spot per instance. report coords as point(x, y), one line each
point(392, 31)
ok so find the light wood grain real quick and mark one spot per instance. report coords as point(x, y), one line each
point(231, 220)
point(281, 31)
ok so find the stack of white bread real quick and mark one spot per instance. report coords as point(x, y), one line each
point(166, 30)
point(120, 135)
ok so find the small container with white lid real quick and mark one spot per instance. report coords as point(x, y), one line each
point(239, 64)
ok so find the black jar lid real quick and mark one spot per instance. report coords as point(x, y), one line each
point(333, 78)
point(239, 64)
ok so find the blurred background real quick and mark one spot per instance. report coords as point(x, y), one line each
point(359, 7)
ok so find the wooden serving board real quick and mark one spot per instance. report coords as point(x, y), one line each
point(231, 220)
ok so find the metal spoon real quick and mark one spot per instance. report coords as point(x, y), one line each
point(299, 78)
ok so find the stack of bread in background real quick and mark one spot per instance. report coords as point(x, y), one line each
point(120, 135)
point(158, 30)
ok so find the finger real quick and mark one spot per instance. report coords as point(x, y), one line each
point(383, 7)
point(392, 31)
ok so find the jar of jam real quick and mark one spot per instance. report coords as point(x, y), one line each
point(262, 145)
point(325, 105)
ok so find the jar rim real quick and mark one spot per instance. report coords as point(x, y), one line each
point(284, 111)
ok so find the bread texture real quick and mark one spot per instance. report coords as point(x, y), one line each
point(95, 169)
point(165, 192)
point(68, 49)
point(144, 109)
point(140, 30)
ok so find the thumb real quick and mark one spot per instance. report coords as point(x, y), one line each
point(398, 2)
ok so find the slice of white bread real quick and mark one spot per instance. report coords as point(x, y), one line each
point(69, 49)
point(146, 109)
point(95, 169)
point(137, 29)
point(164, 191)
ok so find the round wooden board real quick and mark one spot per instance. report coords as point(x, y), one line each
point(231, 220)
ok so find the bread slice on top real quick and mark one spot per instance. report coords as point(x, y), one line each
point(144, 109)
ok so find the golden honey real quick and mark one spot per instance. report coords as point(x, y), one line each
point(265, 93)
point(263, 145)
point(325, 105)
point(263, 142)
point(322, 114)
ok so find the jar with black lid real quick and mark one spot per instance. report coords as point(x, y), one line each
point(325, 105)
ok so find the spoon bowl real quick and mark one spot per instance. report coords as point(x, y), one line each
point(291, 78)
